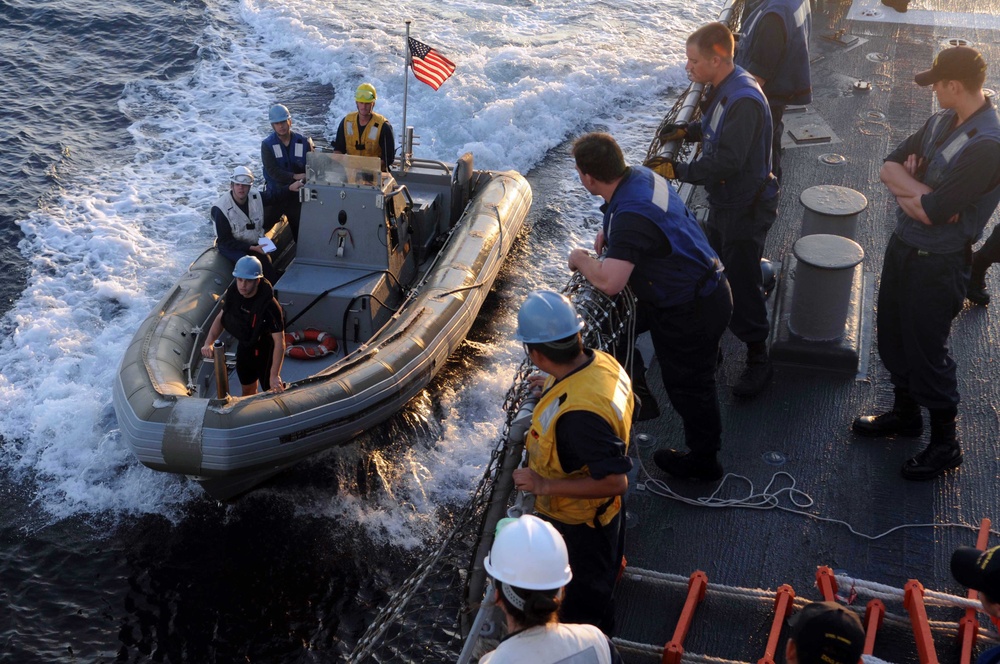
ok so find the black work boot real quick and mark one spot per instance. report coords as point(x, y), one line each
point(757, 373)
point(943, 453)
point(647, 406)
point(903, 420)
point(899, 5)
point(688, 465)
point(976, 292)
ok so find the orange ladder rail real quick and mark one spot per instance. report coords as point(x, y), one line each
point(968, 626)
point(782, 607)
point(826, 583)
point(674, 649)
point(913, 600)
point(874, 615)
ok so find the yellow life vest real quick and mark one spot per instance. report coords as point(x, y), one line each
point(603, 388)
point(369, 140)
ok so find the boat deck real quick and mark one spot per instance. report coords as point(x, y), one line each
point(849, 490)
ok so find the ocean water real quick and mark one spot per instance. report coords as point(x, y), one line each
point(121, 123)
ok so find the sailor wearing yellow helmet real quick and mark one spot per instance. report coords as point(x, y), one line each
point(364, 132)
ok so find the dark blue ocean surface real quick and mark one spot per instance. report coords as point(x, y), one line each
point(239, 583)
point(121, 123)
point(260, 580)
point(63, 66)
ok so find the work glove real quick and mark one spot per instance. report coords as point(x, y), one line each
point(673, 131)
point(665, 168)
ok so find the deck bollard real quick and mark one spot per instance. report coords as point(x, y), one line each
point(832, 210)
point(221, 373)
point(823, 285)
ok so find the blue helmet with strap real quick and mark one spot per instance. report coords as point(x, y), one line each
point(545, 317)
point(248, 267)
point(278, 113)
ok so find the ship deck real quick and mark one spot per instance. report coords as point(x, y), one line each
point(851, 510)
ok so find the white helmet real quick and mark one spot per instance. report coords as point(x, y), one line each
point(531, 554)
point(242, 175)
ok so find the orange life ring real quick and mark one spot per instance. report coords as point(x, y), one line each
point(325, 343)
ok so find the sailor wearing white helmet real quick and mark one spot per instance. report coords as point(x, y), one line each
point(530, 566)
point(238, 215)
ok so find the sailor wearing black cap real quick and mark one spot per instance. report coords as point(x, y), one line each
point(946, 180)
point(824, 633)
point(980, 570)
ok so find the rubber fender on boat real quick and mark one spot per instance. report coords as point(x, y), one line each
point(325, 343)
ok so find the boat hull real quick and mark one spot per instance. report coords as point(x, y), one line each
point(230, 444)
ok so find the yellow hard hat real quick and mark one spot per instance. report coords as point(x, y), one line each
point(365, 93)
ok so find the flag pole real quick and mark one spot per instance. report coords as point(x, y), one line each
point(407, 148)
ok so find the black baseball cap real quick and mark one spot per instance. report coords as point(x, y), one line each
point(827, 633)
point(978, 569)
point(958, 63)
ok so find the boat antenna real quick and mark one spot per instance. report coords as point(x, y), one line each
point(407, 131)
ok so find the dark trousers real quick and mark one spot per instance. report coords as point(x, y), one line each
point(919, 295)
point(291, 209)
point(686, 340)
point(253, 363)
point(738, 235)
point(595, 556)
point(777, 117)
point(987, 255)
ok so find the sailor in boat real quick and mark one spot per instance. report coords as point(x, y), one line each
point(734, 165)
point(283, 154)
point(238, 216)
point(530, 565)
point(578, 451)
point(365, 132)
point(655, 245)
point(824, 633)
point(980, 570)
point(255, 319)
point(946, 180)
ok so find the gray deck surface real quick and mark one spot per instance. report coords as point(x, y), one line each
point(805, 415)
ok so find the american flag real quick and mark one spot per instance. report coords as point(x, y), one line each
point(429, 66)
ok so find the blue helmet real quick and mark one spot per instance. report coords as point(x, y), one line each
point(546, 316)
point(278, 113)
point(248, 267)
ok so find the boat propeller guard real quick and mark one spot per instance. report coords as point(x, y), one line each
point(321, 343)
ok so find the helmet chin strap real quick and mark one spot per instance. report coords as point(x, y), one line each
point(515, 600)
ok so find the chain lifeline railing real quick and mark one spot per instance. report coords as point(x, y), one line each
point(427, 618)
point(686, 109)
